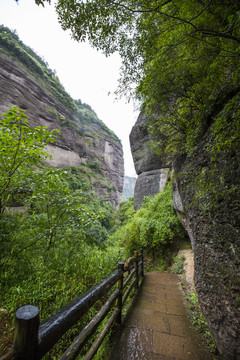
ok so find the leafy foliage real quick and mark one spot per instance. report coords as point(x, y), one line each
point(183, 57)
point(20, 148)
point(126, 211)
point(153, 227)
point(178, 266)
point(57, 248)
point(181, 61)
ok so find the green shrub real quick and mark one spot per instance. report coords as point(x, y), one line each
point(178, 266)
point(153, 227)
point(95, 165)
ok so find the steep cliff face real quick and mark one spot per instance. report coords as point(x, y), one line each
point(207, 200)
point(152, 169)
point(84, 139)
point(214, 229)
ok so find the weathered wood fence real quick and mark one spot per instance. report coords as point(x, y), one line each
point(34, 339)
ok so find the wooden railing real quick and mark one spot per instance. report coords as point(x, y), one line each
point(34, 339)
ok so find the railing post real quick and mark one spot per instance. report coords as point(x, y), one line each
point(26, 333)
point(136, 267)
point(142, 265)
point(120, 287)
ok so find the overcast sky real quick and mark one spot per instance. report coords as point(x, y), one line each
point(85, 73)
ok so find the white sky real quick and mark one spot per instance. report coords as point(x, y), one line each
point(85, 73)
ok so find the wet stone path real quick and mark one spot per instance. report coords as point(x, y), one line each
point(158, 326)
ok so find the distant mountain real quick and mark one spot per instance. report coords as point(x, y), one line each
point(128, 188)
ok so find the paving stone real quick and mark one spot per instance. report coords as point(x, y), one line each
point(144, 304)
point(178, 347)
point(161, 297)
point(180, 326)
point(139, 346)
point(157, 327)
point(170, 296)
point(177, 308)
point(148, 297)
point(171, 291)
point(150, 289)
point(148, 322)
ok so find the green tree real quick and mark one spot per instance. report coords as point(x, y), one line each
point(181, 57)
point(53, 212)
point(144, 27)
point(50, 252)
point(21, 148)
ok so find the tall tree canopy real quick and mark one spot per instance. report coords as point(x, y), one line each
point(182, 57)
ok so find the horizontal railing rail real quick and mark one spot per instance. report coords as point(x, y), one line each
point(34, 339)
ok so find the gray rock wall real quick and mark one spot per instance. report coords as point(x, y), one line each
point(149, 183)
point(213, 226)
point(152, 169)
point(141, 140)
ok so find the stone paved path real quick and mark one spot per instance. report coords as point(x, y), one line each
point(158, 327)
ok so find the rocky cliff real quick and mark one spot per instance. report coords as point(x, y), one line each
point(26, 82)
point(207, 200)
point(214, 229)
point(152, 169)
